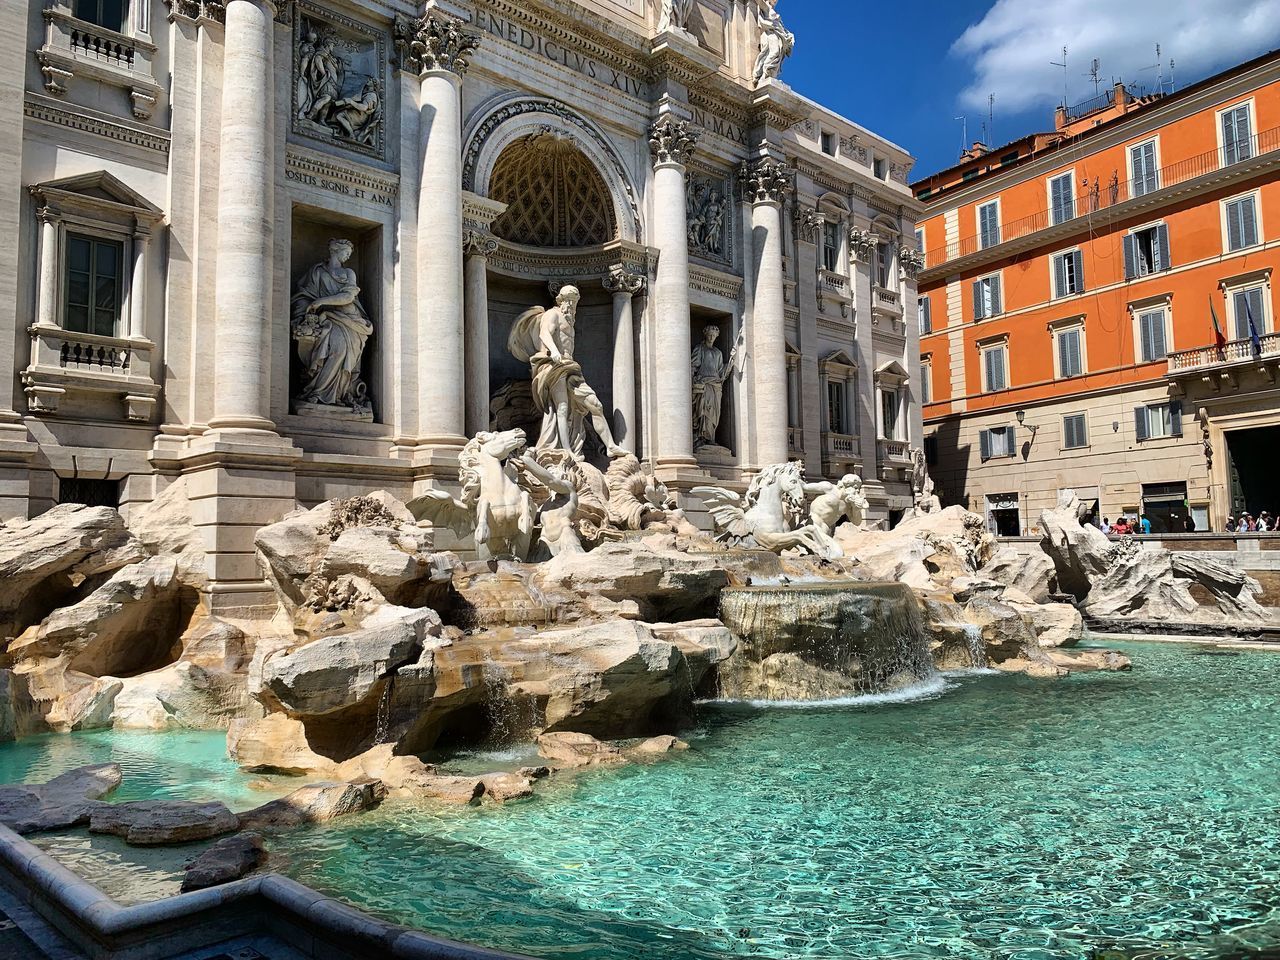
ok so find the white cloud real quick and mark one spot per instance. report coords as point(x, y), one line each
point(1010, 48)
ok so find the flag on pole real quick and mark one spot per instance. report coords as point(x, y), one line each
point(1254, 338)
point(1219, 338)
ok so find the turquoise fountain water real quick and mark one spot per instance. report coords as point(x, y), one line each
point(1004, 818)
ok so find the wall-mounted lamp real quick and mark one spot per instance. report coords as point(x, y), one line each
point(1022, 417)
point(1115, 426)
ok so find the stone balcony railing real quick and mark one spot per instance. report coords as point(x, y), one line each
point(1232, 352)
point(888, 297)
point(841, 447)
point(795, 440)
point(63, 362)
point(834, 288)
point(76, 49)
point(893, 452)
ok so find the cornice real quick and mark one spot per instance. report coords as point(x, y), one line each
point(605, 40)
point(100, 124)
point(322, 165)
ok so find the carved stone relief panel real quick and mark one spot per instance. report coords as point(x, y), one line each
point(339, 89)
point(710, 216)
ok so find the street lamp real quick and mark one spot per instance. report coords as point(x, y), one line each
point(1022, 418)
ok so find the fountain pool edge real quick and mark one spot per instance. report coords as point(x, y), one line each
point(312, 923)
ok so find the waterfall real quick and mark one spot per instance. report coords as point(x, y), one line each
point(383, 726)
point(814, 642)
point(977, 648)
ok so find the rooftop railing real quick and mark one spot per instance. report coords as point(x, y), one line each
point(1092, 197)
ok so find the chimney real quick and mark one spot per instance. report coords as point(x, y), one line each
point(979, 149)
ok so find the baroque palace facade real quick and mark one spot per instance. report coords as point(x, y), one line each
point(1068, 302)
point(276, 249)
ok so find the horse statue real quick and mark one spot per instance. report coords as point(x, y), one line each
point(771, 515)
point(494, 506)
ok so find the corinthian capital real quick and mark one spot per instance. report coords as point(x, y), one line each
point(479, 243)
point(863, 243)
point(434, 43)
point(620, 280)
point(672, 141)
point(765, 181)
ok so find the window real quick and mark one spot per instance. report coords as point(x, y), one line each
point(829, 143)
point(94, 281)
point(92, 493)
point(986, 297)
point(1247, 304)
point(1075, 431)
point(1069, 344)
point(1062, 205)
point(1152, 342)
point(989, 224)
point(995, 368)
point(835, 406)
point(1237, 141)
point(878, 167)
point(104, 13)
point(1242, 222)
point(831, 246)
point(889, 403)
point(925, 315)
point(926, 383)
point(920, 239)
point(1146, 251)
point(1145, 174)
point(884, 264)
point(1009, 158)
point(1156, 420)
point(997, 442)
point(1068, 273)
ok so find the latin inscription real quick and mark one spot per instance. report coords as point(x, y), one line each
point(557, 52)
point(719, 125)
point(337, 186)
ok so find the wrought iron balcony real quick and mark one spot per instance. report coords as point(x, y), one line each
point(1093, 197)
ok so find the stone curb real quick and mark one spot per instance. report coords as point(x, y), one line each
point(311, 922)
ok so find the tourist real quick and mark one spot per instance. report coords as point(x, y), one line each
point(1247, 524)
point(1189, 524)
point(1265, 522)
point(1105, 526)
point(1145, 525)
point(1231, 525)
point(1120, 527)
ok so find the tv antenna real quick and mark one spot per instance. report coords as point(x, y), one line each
point(964, 134)
point(1158, 67)
point(1063, 65)
point(991, 119)
point(1172, 85)
point(1095, 74)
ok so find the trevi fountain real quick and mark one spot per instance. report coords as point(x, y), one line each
point(611, 734)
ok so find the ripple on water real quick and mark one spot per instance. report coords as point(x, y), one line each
point(1000, 818)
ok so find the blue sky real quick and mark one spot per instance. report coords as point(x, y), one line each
point(905, 70)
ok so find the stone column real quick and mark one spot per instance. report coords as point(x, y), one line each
point(438, 50)
point(246, 186)
point(47, 292)
point(138, 287)
point(624, 286)
point(765, 183)
point(671, 142)
point(479, 246)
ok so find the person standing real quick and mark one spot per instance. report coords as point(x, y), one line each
point(1105, 526)
point(1144, 525)
point(1231, 525)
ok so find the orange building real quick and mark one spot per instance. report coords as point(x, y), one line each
point(1067, 308)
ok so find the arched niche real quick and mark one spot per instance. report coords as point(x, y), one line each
point(512, 118)
point(554, 195)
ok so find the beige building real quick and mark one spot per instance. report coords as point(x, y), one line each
point(172, 306)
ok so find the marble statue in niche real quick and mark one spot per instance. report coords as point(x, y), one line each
point(776, 42)
point(544, 339)
point(675, 15)
point(336, 81)
point(710, 370)
point(331, 328)
point(707, 212)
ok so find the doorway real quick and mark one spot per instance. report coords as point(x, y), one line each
point(1251, 457)
point(1165, 505)
point(1003, 516)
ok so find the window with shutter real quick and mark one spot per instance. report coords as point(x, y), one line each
point(1146, 178)
point(1162, 247)
point(1237, 140)
point(926, 383)
point(1242, 223)
point(1074, 431)
point(1070, 359)
point(1244, 304)
point(993, 359)
point(1151, 324)
point(989, 224)
point(926, 318)
point(1077, 262)
point(1131, 257)
point(1060, 276)
point(1140, 422)
point(993, 284)
point(1175, 418)
point(1061, 198)
point(1066, 274)
point(984, 444)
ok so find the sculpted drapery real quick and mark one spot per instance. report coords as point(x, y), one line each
point(331, 328)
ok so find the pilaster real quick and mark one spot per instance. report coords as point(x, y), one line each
point(624, 286)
